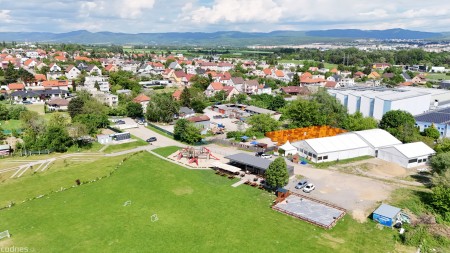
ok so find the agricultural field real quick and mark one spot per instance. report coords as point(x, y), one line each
point(437, 76)
point(327, 65)
point(149, 204)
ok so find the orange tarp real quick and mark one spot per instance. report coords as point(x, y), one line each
point(298, 134)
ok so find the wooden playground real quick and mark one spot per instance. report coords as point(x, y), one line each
point(200, 156)
point(298, 134)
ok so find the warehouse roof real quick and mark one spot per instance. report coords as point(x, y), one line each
point(378, 138)
point(387, 211)
point(413, 150)
point(437, 117)
point(346, 141)
point(251, 160)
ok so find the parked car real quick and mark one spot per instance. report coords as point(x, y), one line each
point(301, 184)
point(266, 156)
point(120, 122)
point(27, 102)
point(309, 188)
point(151, 139)
point(258, 154)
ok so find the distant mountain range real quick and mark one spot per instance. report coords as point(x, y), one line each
point(223, 38)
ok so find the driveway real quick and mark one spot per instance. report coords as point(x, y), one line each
point(144, 133)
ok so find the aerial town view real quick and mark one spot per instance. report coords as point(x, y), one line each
point(225, 126)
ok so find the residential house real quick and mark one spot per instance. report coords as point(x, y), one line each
point(406, 77)
point(72, 72)
point(177, 94)
point(40, 77)
point(174, 65)
point(419, 79)
point(143, 100)
point(346, 82)
point(185, 112)
point(251, 87)
point(16, 87)
point(213, 88)
point(93, 70)
point(381, 66)
point(57, 104)
point(224, 66)
point(264, 89)
point(237, 82)
point(374, 75)
point(359, 74)
point(295, 90)
point(56, 84)
point(30, 63)
point(102, 81)
point(105, 98)
point(40, 65)
point(202, 121)
point(111, 68)
point(230, 91)
point(37, 95)
point(54, 67)
point(331, 85)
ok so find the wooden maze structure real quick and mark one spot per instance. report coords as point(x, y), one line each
point(298, 134)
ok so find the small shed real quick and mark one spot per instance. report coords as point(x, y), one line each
point(386, 215)
point(104, 138)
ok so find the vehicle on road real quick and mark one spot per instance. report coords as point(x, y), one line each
point(309, 188)
point(27, 102)
point(301, 184)
point(120, 122)
point(266, 156)
point(258, 154)
point(151, 139)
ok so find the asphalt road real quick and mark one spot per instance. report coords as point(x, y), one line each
point(144, 133)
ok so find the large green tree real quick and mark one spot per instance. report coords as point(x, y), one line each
point(134, 110)
point(432, 132)
point(200, 82)
point(263, 123)
point(357, 122)
point(440, 163)
point(401, 124)
point(185, 131)
point(277, 174)
point(162, 108)
point(303, 113)
point(185, 97)
point(75, 107)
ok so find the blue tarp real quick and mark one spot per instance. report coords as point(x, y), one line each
point(254, 142)
point(245, 137)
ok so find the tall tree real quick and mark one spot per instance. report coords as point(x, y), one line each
point(75, 107)
point(263, 123)
point(277, 174)
point(295, 80)
point(134, 110)
point(162, 108)
point(185, 97)
point(185, 131)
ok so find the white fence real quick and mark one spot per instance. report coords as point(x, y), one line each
point(4, 234)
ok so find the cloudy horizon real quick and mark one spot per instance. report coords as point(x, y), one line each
point(154, 16)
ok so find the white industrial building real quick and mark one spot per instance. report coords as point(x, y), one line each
point(339, 147)
point(407, 155)
point(376, 101)
point(374, 142)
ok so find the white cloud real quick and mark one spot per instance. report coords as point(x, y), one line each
point(5, 16)
point(234, 11)
point(125, 9)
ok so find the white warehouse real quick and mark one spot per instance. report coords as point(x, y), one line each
point(376, 101)
point(407, 155)
point(374, 142)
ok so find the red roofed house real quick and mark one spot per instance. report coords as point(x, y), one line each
point(40, 77)
point(359, 74)
point(213, 88)
point(230, 91)
point(201, 121)
point(16, 86)
point(61, 58)
point(111, 68)
point(72, 72)
point(331, 84)
point(30, 63)
point(177, 94)
point(295, 90)
point(56, 85)
point(143, 100)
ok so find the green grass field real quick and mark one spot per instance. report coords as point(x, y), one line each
point(10, 124)
point(327, 65)
point(166, 151)
point(198, 211)
point(437, 76)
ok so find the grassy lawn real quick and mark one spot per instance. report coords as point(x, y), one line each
point(198, 211)
point(39, 108)
point(10, 124)
point(166, 151)
point(62, 173)
point(125, 146)
point(437, 76)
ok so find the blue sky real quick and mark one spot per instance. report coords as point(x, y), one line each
point(136, 16)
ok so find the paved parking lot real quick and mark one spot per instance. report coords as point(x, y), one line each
point(227, 122)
